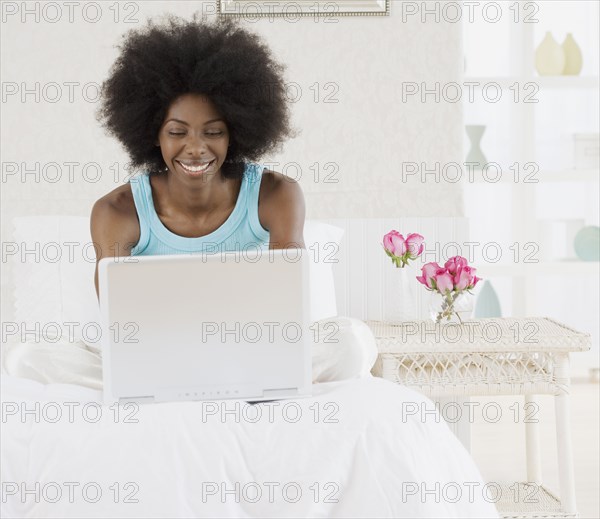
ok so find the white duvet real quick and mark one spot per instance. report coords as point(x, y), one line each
point(356, 448)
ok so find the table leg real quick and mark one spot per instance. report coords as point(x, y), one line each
point(563, 435)
point(532, 441)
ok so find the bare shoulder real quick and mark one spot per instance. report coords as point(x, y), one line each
point(281, 208)
point(119, 199)
point(114, 220)
point(275, 187)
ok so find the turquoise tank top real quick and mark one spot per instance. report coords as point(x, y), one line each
point(242, 231)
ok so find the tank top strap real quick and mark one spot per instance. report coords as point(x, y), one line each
point(142, 197)
point(255, 172)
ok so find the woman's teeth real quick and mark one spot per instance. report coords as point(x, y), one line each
point(196, 169)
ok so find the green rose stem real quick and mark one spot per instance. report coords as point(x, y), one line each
point(399, 261)
point(448, 307)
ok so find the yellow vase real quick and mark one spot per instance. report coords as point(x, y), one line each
point(549, 57)
point(573, 58)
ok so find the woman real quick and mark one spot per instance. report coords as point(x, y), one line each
point(195, 105)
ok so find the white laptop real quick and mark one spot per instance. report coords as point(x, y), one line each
point(206, 326)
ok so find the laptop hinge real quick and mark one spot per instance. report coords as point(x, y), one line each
point(284, 391)
point(136, 400)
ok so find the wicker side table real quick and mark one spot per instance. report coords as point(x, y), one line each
point(509, 356)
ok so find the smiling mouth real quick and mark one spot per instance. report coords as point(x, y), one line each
point(196, 169)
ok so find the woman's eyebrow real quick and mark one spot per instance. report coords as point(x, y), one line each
point(187, 124)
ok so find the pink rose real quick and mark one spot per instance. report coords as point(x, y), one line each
point(394, 243)
point(428, 271)
point(414, 244)
point(463, 278)
point(454, 263)
point(455, 275)
point(443, 281)
point(474, 278)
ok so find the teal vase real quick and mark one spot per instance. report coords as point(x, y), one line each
point(488, 304)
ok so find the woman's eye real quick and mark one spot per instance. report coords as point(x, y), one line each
point(211, 134)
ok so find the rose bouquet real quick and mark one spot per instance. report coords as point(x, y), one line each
point(402, 250)
point(451, 281)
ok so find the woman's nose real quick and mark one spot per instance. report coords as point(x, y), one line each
point(195, 144)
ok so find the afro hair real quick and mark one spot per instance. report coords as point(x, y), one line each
point(221, 60)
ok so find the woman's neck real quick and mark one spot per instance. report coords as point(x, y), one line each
point(196, 198)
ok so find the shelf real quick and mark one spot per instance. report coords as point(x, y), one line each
point(570, 175)
point(542, 81)
point(542, 176)
point(531, 107)
point(543, 268)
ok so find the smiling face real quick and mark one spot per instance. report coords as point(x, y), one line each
point(193, 138)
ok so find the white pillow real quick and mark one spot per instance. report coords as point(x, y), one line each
point(54, 286)
point(322, 244)
point(343, 348)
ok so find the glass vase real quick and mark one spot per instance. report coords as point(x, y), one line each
point(454, 307)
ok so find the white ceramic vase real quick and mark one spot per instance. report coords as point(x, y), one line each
point(549, 57)
point(403, 298)
point(573, 57)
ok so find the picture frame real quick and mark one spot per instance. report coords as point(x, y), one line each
point(296, 8)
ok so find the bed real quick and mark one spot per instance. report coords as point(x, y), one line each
point(352, 449)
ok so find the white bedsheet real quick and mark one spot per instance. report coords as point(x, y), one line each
point(353, 449)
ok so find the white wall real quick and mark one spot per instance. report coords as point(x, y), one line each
point(366, 135)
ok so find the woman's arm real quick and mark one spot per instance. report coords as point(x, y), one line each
point(114, 228)
point(282, 211)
